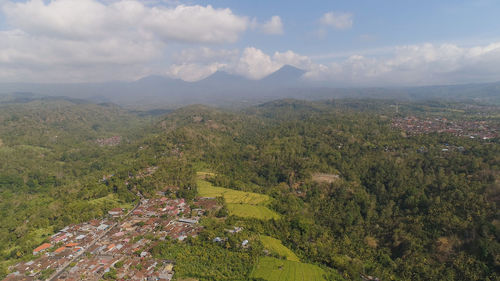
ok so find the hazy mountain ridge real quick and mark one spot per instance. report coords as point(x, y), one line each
point(224, 89)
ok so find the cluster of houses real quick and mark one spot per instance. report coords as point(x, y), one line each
point(119, 244)
point(62, 247)
point(472, 129)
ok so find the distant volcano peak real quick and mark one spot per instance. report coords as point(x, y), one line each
point(285, 75)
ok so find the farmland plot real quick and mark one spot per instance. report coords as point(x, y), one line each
point(273, 269)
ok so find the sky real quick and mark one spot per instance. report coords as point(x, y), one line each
point(347, 43)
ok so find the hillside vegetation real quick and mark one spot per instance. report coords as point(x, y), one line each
point(399, 207)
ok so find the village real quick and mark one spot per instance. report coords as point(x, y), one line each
point(472, 129)
point(116, 246)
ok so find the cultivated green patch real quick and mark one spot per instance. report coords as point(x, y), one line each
point(252, 211)
point(273, 269)
point(275, 246)
point(239, 203)
point(206, 189)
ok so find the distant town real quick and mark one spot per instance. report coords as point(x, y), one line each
point(463, 128)
point(118, 244)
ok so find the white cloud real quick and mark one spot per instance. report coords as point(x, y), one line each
point(273, 26)
point(18, 47)
point(193, 71)
point(205, 54)
point(90, 40)
point(255, 64)
point(294, 59)
point(424, 64)
point(87, 33)
point(90, 19)
point(196, 24)
point(193, 64)
point(337, 20)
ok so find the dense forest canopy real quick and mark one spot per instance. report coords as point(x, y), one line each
point(355, 195)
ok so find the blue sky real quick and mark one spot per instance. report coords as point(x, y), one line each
point(376, 24)
point(358, 43)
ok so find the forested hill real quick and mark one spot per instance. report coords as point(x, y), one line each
point(421, 207)
point(354, 194)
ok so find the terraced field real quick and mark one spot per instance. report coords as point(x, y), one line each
point(275, 246)
point(273, 269)
point(239, 203)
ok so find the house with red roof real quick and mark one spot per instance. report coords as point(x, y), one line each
point(41, 248)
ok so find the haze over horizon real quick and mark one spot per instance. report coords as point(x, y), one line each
point(347, 43)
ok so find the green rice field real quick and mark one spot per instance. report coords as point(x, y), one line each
point(206, 189)
point(252, 211)
point(273, 269)
point(274, 245)
point(239, 203)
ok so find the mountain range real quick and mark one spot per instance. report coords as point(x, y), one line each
point(224, 89)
